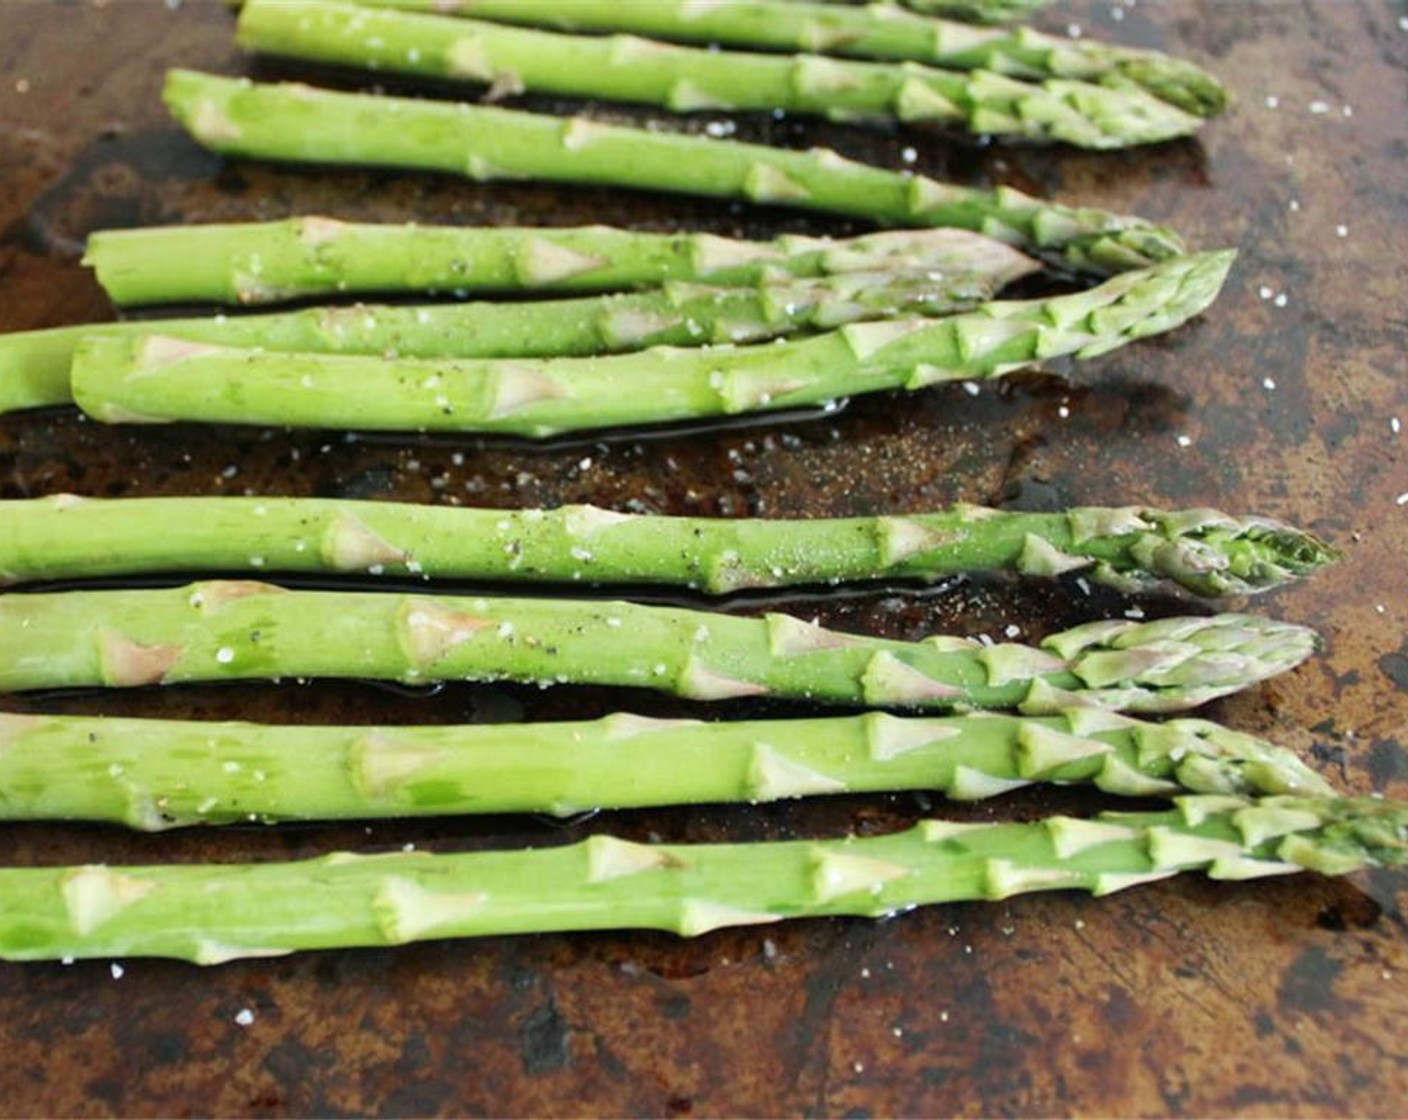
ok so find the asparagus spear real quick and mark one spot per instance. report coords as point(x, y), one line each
point(301, 124)
point(155, 379)
point(264, 262)
point(159, 774)
point(251, 631)
point(1135, 548)
point(219, 912)
point(866, 31)
point(974, 11)
point(34, 365)
point(687, 79)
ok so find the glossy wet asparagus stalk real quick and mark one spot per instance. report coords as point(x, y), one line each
point(866, 31)
point(35, 365)
point(690, 79)
point(210, 913)
point(218, 631)
point(1202, 551)
point(975, 11)
point(158, 774)
point(156, 379)
point(305, 125)
point(298, 258)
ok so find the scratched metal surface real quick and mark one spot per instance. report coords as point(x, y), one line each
point(1286, 997)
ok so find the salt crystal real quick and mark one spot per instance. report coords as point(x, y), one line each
point(244, 1017)
point(117, 970)
point(1341, 231)
point(1272, 101)
point(1185, 441)
point(1268, 383)
point(1281, 300)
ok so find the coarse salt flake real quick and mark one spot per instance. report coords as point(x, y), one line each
point(244, 1017)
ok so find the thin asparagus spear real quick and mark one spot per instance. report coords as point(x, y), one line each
point(34, 365)
point(301, 124)
point(156, 379)
point(1134, 548)
point(210, 913)
point(688, 79)
point(975, 11)
point(159, 774)
point(264, 262)
point(866, 31)
point(251, 631)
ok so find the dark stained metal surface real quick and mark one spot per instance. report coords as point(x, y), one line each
point(1288, 997)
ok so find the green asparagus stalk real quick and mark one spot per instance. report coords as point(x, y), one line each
point(301, 124)
point(1202, 551)
point(219, 631)
point(264, 262)
point(159, 774)
point(156, 379)
point(219, 912)
point(688, 79)
point(34, 365)
point(975, 11)
point(867, 31)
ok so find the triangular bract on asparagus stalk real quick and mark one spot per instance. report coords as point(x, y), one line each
point(241, 630)
point(210, 913)
point(156, 379)
point(482, 142)
point(1202, 551)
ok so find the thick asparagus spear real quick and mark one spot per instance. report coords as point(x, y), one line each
point(301, 124)
point(1202, 551)
point(866, 31)
point(213, 913)
point(253, 631)
point(34, 365)
point(686, 79)
point(264, 262)
point(156, 379)
point(158, 774)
